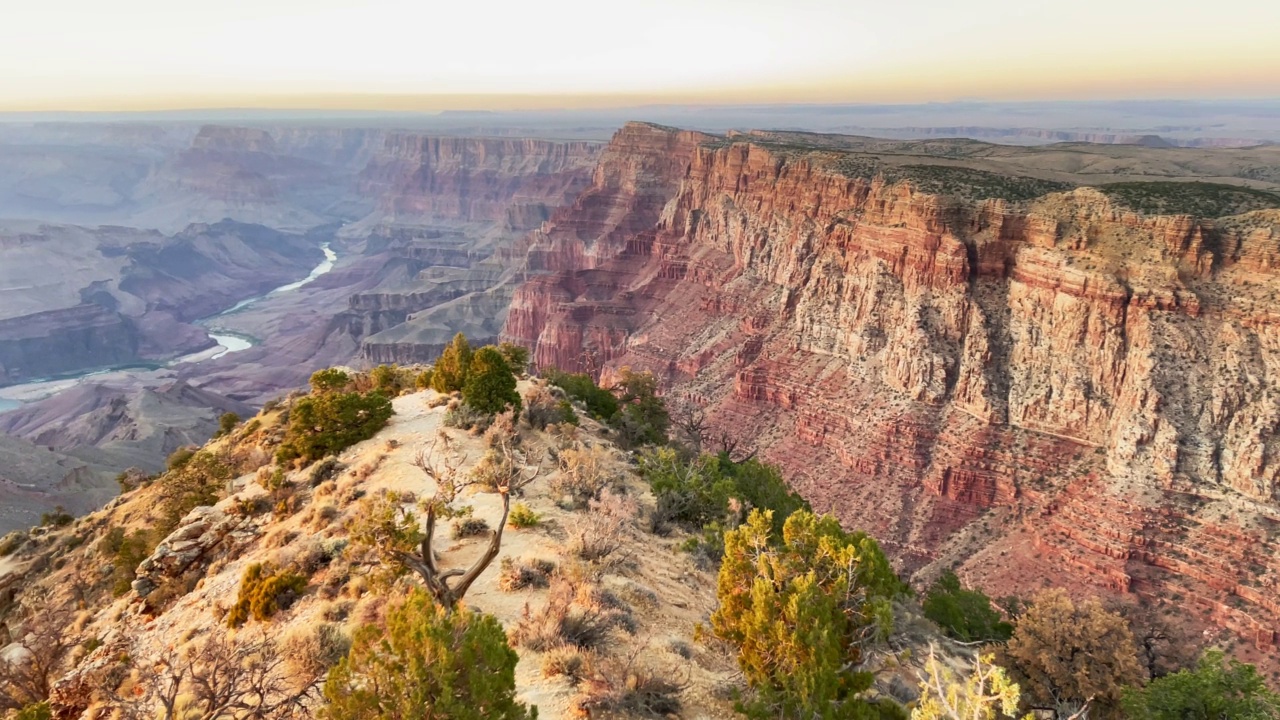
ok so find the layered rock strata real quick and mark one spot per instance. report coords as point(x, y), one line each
point(1059, 389)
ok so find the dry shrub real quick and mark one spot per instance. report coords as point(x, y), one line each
point(639, 595)
point(491, 470)
point(680, 647)
point(572, 616)
point(245, 458)
point(627, 685)
point(336, 611)
point(502, 432)
point(366, 470)
point(520, 574)
point(542, 408)
point(372, 610)
point(356, 587)
point(310, 651)
point(324, 515)
point(604, 530)
point(280, 537)
point(325, 470)
point(437, 401)
point(350, 495)
point(564, 660)
point(565, 435)
point(469, 527)
point(584, 473)
point(465, 417)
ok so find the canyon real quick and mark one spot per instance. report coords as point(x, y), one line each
point(966, 350)
point(147, 232)
point(1054, 362)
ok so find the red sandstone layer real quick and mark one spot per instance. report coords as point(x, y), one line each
point(1064, 390)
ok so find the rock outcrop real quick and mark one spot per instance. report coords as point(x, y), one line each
point(1014, 388)
point(204, 533)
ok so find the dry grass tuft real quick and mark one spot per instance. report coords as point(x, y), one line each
point(573, 615)
point(520, 574)
point(566, 661)
point(584, 473)
point(605, 530)
point(628, 685)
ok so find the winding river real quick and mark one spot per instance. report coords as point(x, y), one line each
point(14, 396)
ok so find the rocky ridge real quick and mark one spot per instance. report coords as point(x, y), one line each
point(1010, 386)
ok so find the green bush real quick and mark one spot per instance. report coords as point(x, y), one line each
point(522, 516)
point(964, 614)
point(329, 380)
point(1213, 689)
point(180, 457)
point(10, 543)
point(226, 423)
point(690, 493)
point(642, 418)
point(490, 386)
point(450, 372)
point(126, 552)
point(35, 711)
point(200, 480)
point(517, 357)
point(701, 492)
point(427, 663)
point(58, 518)
point(423, 380)
point(801, 612)
point(599, 402)
point(263, 592)
point(331, 422)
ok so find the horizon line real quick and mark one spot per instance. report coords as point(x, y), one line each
point(445, 104)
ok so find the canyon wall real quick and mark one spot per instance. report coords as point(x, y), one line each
point(1055, 391)
point(513, 182)
point(448, 211)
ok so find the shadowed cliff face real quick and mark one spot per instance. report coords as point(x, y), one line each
point(1055, 389)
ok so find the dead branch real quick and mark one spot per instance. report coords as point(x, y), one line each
point(509, 476)
point(220, 679)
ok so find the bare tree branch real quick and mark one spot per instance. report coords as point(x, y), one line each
point(508, 475)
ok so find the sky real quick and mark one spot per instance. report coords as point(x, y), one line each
point(499, 54)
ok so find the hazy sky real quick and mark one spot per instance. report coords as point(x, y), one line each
point(91, 54)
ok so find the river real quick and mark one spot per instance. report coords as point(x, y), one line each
point(14, 396)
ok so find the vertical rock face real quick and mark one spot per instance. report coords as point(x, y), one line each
point(475, 179)
point(448, 208)
point(1016, 389)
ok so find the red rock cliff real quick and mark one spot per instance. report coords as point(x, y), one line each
point(476, 179)
point(1061, 387)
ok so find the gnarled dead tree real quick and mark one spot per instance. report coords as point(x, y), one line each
point(220, 678)
point(689, 420)
point(42, 639)
point(507, 474)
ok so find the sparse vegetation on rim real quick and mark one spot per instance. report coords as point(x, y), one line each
point(354, 575)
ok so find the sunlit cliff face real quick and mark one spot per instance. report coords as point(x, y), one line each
point(397, 54)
